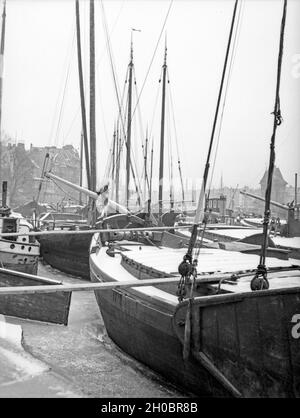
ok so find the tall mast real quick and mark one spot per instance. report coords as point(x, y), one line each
point(150, 182)
point(296, 189)
point(171, 186)
point(200, 207)
point(129, 116)
point(162, 137)
point(181, 183)
point(114, 158)
point(118, 158)
point(146, 180)
point(82, 99)
point(81, 166)
point(1, 68)
point(92, 98)
point(260, 279)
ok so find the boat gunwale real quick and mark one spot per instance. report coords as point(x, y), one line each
point(228, 297)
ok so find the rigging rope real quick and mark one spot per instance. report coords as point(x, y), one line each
point(188, 267)
point(117, 90)
point(231, 62)
point(70, 47)
point(64, 92)
point(176, 141)
point(260, 280)
point(160, 35)
point(232, 59)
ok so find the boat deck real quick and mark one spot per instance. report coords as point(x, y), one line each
point(211, 260)
point(117, 272)
point(240, 233)
point(290, 279)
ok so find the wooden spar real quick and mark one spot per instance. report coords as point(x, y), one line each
point(87, 192)
point(81, 163)
point(118, 159)
point(171, 187)
point(1, 68)
point(162, 136)
point(46, 160)
point(29, 276)
point(128, 136)
point(231, 205)
point(150, 182)
point(296, 190)
point(279, 205)
point(113, 169)
point(83, 287)
point(182, 186)
point(200, 206)
point(146, 180)
point(91, 231)
point(82, 97)
point(4, 194)
point(276, 122)
point(15, 290)
point(92, 98)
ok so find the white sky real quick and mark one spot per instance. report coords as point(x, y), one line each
point(39, 48)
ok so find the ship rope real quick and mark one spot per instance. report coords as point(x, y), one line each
point(179, 165)
point(153, 55)
point(200, 236)
point(71, 196)
point(116, 87)
point(260, 281)
point(188, 267)
point(231, 64)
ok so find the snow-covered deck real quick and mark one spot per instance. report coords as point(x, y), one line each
point(293, 242)
point(210, 259)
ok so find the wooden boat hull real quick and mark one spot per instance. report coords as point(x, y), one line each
point(241, 344)
point(249, 338)
point(146, 333)
point(19, 256)
point(46, 307)
point(67, 253)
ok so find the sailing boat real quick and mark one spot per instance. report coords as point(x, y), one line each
point(19, 258)
point(70, 253)
point(213, 334)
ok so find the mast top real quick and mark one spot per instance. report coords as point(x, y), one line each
point(131, 45)
point(166, 49)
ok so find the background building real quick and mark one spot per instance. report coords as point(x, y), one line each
point(22, 168)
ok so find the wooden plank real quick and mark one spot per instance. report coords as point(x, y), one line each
point(29, 276)
point(83, 287)
point(91, 231)
point(100, 286)
point(48, 307)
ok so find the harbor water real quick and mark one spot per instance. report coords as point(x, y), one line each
point(43, 360)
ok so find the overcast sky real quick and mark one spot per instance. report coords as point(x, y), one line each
point(40, 47)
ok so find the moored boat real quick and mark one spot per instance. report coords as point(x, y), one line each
point(20, 252)
point(227, 328)
point(247, 344)
point(50, 307)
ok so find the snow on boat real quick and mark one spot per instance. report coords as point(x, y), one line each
point(240, 343)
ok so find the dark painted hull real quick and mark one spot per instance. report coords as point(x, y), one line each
point(46, 307)
point(241, 344)
point(69, 253)
point(146, 333)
